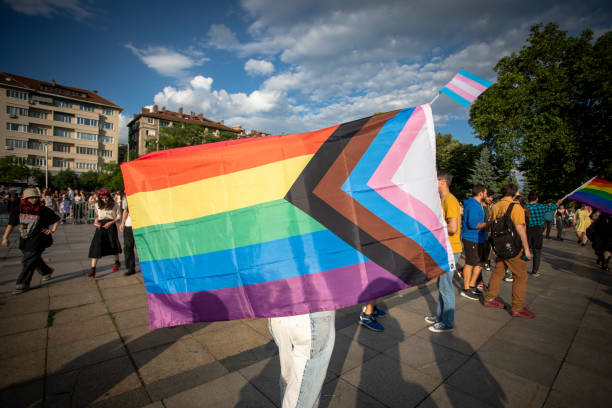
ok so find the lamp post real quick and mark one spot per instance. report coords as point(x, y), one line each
point(46, 165)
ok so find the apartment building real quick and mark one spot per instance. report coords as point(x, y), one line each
point(147, 124)
point(72, 128)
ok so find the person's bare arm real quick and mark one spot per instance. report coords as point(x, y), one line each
point(522, 231)
point(7, 231)
point(123, 218)
point(452, 225)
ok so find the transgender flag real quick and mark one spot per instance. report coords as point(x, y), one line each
point(465, 87)
point(291, 224)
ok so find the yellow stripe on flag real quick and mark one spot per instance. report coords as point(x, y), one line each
point(216, 194)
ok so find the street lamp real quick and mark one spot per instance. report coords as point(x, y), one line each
point(46, 144)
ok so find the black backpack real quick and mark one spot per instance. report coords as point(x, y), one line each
point(504, 239)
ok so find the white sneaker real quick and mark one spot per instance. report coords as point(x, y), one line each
point(431, 319)
point(440, 328)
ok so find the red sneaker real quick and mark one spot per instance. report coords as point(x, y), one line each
point(493, 303)
point(116, 267)
point(523, 313)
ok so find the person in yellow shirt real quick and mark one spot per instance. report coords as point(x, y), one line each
point(582, 220)
point(444, 320)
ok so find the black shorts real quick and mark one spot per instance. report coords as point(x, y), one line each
point(475, 253)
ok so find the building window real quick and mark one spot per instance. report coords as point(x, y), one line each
point(37, 161)
point(86, 150)
point(16, 144)
point(64, 164)
point(107, 153)
point(86, 166)
point(150, 121)
point(150, 133)
point(108, 111)
point(87, 121)
point(60, 117)
point(107, 125)
point(17, 127)
point(36, 145)
point(11, 93)
point(86, 136)
point(86, 107)
point(164, 123)
point(63, 104)
point(106, 139)
point(38, 131)
point(38, 114)
point(59, 147)
point(15, 111)
point(62, 132)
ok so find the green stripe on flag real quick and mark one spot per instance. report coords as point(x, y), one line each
point(247, 226)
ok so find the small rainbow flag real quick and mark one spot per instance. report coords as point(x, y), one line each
point(596, 192)
point(291, 224)
point(465, 87)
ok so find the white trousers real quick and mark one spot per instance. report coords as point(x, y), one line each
point(305, 344)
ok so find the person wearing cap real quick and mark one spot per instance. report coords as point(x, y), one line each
point(106, 239)
point(37, 224)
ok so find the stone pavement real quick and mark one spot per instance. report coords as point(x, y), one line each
point(79, 342)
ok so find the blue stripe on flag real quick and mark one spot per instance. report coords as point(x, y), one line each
point(456, 97)
point(593, 197)
point(356, 186)
point(263, 262)
point(475, 78)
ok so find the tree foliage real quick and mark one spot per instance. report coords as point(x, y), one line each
point(11, 171)
point(482, 171)
point(458, 159)
point(549, 113)
point(110, 177)
point(89, 181)
point(186, 135)
point(65, 178)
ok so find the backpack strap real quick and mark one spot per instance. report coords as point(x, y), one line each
point(507, 219)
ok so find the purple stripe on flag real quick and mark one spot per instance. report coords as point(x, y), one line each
point(326, 290)
point(471, 83)
point(461, 92)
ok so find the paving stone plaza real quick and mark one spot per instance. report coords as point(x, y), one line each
point(75, 342)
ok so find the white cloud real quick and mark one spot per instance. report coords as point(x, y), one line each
point(123, 130)
point(222, 37)
point(258, 67)
point(49, 8)
point(166, 61)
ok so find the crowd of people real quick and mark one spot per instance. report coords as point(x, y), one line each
point(38, 214)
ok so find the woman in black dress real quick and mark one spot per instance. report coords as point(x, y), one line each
point(106, 239)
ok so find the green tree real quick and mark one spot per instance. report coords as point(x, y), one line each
point(457, 158)
point(549, 113)
point(65, 178)
point(110, 177)
point(186, 135)
point(483, 172)
point(12, 171)
point(89, 181)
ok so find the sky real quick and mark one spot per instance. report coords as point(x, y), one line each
point(283, 66)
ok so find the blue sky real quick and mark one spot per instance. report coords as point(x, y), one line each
point(277, 66)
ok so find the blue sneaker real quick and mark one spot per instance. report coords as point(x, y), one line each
point(370, 322)
point(379, 312)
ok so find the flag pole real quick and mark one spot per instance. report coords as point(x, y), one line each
point(567, 195)
point(434, 99)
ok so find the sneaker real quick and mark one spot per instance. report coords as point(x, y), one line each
point(470, 294)
point(370, 322)
point(379, 312)
point(508, 278)
point(481, 287)
point(47, 277)
point(20, 289)
point(128, 273)
point(117, 266)
point(440, 328)
point(431, 319)
point(493, 302)
point(536, 274)
point(523, 313)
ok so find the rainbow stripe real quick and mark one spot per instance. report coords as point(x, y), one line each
point(465, 87)
point(597, 193)
point(290, 224)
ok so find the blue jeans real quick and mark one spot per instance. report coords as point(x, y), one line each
point(305, 344)
point(446, 302)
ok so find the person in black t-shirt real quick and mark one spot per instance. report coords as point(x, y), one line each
point(37, 223)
